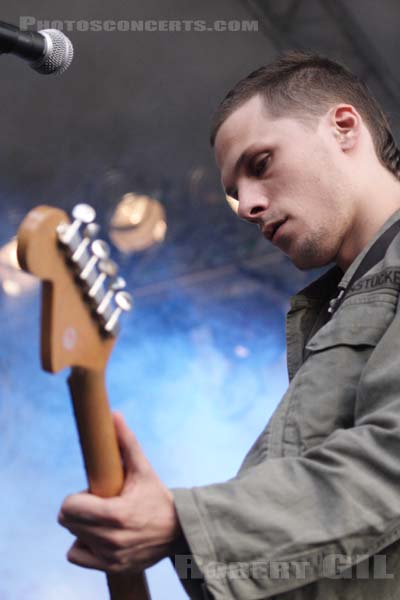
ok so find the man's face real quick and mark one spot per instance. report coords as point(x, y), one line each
point(290, 179)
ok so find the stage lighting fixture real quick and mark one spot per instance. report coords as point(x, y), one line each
point(234, 204)
point(13, 280)
point(138, 223)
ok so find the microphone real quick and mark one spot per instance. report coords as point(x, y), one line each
point(47, 51)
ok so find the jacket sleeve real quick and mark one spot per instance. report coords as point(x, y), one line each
point(288, 521)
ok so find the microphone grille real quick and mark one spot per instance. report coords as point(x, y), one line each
point(58, 55)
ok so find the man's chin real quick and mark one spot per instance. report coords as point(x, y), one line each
point(307, 260)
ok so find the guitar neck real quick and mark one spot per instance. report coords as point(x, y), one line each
point(75, 331)
point(102, 460)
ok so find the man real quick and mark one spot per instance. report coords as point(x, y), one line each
point(314, 512)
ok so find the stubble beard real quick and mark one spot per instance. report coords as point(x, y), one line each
point(314, 251)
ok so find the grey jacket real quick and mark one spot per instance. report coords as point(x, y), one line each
point(314, 512)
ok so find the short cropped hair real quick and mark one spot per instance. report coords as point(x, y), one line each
point(303, 84)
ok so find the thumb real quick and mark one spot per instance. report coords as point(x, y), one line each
point(132, 454)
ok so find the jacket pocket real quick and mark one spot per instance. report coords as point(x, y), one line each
point(355, 324)
point(325, 388)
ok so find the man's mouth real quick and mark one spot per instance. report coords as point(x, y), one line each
point(270, 230)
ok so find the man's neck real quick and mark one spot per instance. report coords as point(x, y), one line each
point(372, 215)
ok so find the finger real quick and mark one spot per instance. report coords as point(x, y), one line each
point(134, 459)
point(79, 554)
point(87, 509)
point(102, 540)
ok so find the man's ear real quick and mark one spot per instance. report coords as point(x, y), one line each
point(345, 122)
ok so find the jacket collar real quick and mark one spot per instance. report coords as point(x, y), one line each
point(322, 289)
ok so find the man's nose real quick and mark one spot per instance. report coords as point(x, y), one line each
point(252, 203)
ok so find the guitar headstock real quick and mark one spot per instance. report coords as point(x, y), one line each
point(82, 296)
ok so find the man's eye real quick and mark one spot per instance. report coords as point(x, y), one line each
point(260, 166)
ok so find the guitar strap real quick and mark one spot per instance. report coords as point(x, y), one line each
point(373, 256)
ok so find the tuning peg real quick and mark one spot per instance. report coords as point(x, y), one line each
point(124, 303)
point(91, 231)
point(107, 268)
point(101, 251)
point(118, 284)
point(82, 213)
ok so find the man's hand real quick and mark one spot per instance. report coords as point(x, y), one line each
point(131, 531)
